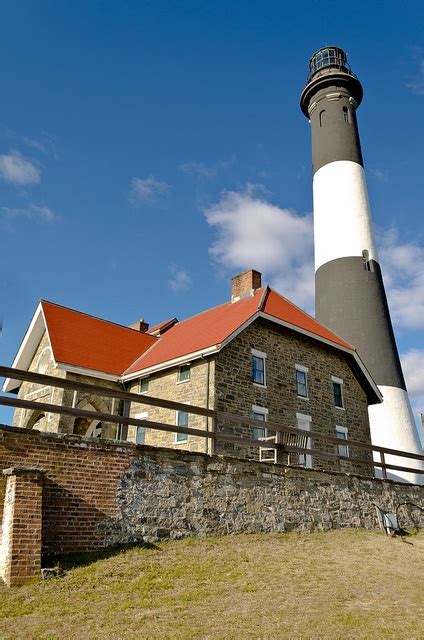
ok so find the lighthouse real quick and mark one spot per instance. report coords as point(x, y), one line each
point(349, 291)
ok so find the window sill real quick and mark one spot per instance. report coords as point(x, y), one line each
point(303, 398)
point(260, 386)
point(181, 442)
point(183, 381)
point(340, 408)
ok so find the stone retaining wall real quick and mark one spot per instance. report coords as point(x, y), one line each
point(97, 493)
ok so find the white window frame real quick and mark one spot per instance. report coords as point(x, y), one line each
point(345, 447)
point(262, 411)
point(300, 367)
point(308, 463)
point(185, 441)
point(259, 354)
point(340, 382)
point(141, 416)
point(187, 364)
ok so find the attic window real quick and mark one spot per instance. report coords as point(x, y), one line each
point(338, 392)
point(184, 373)
point(144, 385)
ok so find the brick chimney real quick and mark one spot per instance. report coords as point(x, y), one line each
point(141, 326)
point(245, 284)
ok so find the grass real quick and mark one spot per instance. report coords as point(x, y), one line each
point(340, 584)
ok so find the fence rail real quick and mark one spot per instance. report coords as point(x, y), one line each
point(217, 416)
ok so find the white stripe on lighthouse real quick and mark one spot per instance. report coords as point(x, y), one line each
point(393, 426)
point(342, 215)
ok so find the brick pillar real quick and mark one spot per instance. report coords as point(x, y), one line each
point(20, 553)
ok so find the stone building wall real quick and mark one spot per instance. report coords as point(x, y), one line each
point(82, 400)
point(98, 493)
point(236, 393)
point(42, 362)
point(165, 385)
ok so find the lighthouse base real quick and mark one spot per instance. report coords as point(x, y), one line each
point(393, 426)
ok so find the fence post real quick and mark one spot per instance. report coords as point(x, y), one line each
point(383, 468)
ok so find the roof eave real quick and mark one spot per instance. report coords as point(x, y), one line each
point(375, 392)
point(174, 362)
point(28, 347)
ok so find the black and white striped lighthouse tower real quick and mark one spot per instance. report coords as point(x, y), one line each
point(349, 290)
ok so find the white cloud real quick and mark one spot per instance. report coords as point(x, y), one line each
point(14, 168)
point(413, 369)
point(35, 144)
point(417, 86)
point(198, 169)
point(179, 279)
point(146, 189)
point(403, 272)
point(34, 211)
point(205, 171)
point(253, 233)
point(380, 174)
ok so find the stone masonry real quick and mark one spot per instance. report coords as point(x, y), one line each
point(223, 382)
point(236, 393)
point(199, 390)
point(42, 362)
point(97, 493)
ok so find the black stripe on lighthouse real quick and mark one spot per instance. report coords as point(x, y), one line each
point(349, 289)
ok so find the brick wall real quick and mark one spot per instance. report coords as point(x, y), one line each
point(80, 483)
point(20, 552)
point(101, 493)
point(96, 494)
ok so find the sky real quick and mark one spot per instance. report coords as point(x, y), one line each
point(151, 150)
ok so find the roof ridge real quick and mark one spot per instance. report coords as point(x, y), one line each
point(90, 315)
point(264, 296)
point(133, 364)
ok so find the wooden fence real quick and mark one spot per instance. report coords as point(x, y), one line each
point(283, 442)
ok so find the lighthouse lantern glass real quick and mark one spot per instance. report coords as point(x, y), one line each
point(328, 57)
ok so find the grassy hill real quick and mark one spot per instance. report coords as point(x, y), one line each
point(339, 584)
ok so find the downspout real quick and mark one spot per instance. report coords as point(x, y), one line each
point(209, 442)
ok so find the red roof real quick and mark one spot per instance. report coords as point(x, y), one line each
point(214, 326)
point(91, 343)
point(279, 307)
point(87, 342)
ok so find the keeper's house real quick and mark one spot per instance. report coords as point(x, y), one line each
point(257, 355)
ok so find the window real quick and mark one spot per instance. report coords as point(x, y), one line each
point(184, 373)
point(258, 367)
point(338, 392)
point(181, 421)
point(140, 432)
point(144, 385)
point(342, 449)
point(304, 423)
point(301, 381)
point(259, 413)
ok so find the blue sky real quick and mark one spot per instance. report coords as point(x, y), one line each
point(150, 150)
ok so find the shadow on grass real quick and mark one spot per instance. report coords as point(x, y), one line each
point(66, 561)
